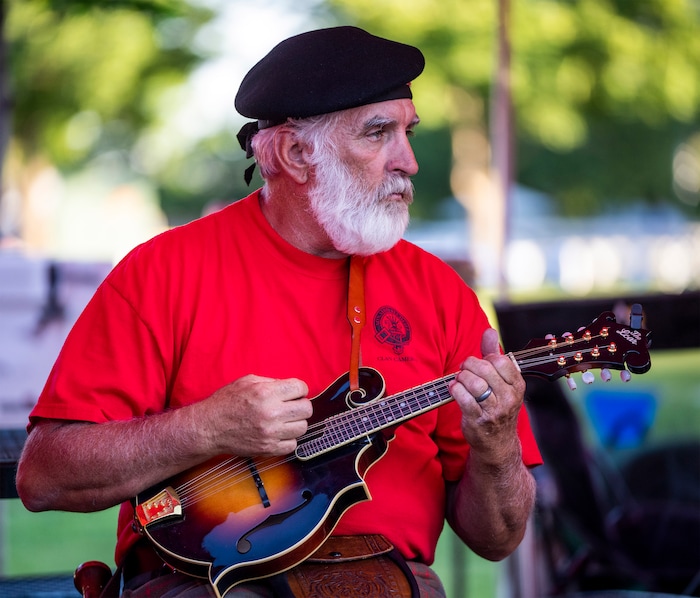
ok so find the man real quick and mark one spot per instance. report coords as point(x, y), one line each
point(209, 339)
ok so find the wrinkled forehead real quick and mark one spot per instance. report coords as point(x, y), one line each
point(396, 113)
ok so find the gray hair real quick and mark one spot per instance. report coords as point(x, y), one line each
point(316, 132)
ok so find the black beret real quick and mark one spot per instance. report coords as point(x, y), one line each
point(327, 70)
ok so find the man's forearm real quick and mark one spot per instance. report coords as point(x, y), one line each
point(79, 466)
point(490, 506)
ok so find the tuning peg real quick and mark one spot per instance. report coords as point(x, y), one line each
point(588, 377)
point(636, 316)
point(549, 337)
point(605, 375)
point(571, 382)
point(625, 376)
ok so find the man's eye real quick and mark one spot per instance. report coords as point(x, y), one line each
point(377, 133)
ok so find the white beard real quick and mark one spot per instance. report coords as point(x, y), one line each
point(359, 219)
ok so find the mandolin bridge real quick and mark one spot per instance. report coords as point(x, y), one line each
point(164, 505)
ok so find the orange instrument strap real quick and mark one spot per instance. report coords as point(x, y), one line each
point(356, 315)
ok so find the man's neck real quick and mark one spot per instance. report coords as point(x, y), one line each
point(289, 214)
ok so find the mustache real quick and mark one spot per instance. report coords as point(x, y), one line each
point(396, 184)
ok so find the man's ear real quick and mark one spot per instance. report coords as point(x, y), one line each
point(292, 156)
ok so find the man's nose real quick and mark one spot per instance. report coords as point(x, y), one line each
point(405, 160)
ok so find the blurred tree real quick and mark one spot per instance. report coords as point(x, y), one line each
point(601, 93)
point(84, 77)
point(604, 91)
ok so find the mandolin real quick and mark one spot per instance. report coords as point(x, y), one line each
point(233, 519)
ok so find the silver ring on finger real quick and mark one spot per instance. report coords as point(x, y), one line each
point(484, 395)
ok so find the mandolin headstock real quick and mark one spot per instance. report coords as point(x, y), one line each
point(603, 344)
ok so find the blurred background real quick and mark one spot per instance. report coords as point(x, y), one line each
point(559, 153)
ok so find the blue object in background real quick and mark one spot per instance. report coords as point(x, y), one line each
point(621, 419)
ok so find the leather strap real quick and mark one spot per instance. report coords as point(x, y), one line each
point(339, 549)
point(360, 566)
point(356, 315)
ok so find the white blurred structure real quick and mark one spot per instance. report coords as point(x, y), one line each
point(654, 249)
point(39, 301)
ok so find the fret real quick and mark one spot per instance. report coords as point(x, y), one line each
point(364, 422)
point(397, 412)
point(372, 417)
point(336, 436)
point(354, 425)
point(374, 412)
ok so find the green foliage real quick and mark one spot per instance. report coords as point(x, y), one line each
point(618, 160)
point(211, 171)
point(85, 76)
point(432, 184)
point(152, 7)
point(602, 90)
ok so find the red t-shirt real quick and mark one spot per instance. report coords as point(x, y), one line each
point(197, 307)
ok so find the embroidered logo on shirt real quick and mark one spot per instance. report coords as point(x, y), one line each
point(393, 328)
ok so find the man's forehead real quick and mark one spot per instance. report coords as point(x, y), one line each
point(400, 112)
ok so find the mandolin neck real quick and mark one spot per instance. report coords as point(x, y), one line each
point(603, 344)
point(346, 427)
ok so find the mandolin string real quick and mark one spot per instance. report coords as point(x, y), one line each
point(221, 477)
point(210, 485)
point(224, 479)
point(206, 479)
point(546, 356)
point(218, 475)
point(380, 413)
point(192, 482)
point(334, 426)
point(545, 353)
point(211, 476)
point(340, 426)
point(546, 350)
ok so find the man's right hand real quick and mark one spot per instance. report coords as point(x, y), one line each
point(83, 466)
point(257, 416)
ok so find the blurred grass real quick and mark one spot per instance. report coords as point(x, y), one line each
point(56, 543)
point(462, 572)
point(41, 543)
point(674, 381)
